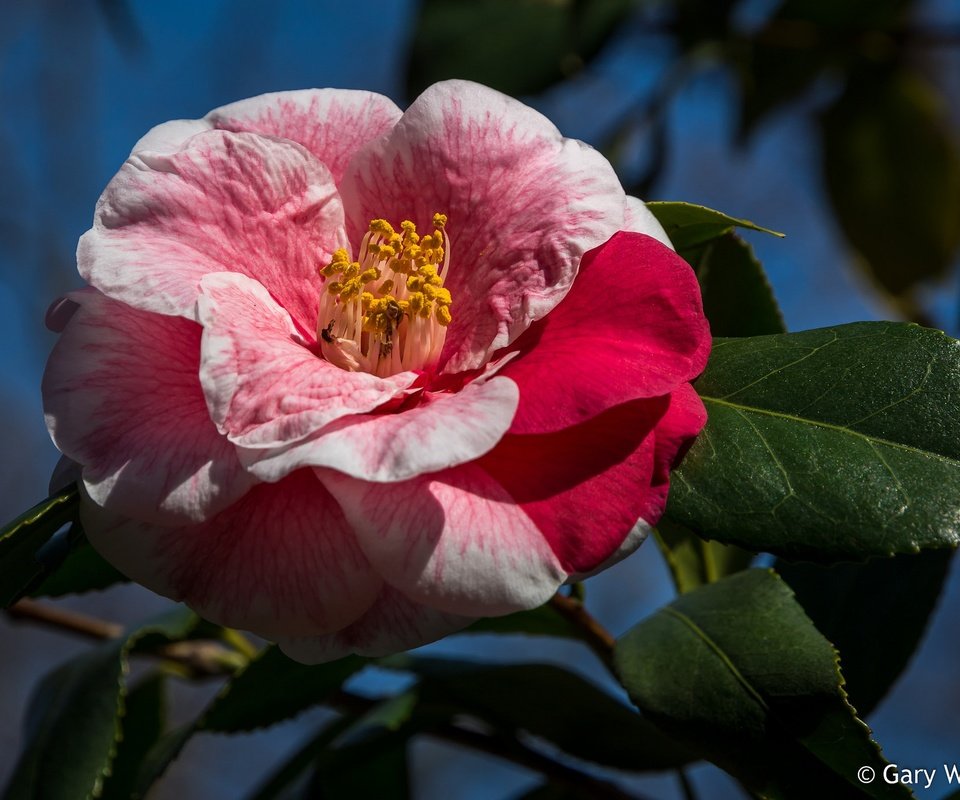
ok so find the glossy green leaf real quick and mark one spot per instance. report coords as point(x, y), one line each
point(873, 613)
point(690, 226)
point(74, 718)
point(693, 561)
point(737, 297)
point(23, 562)
point(737, 671)
point(892, 170)
point(141, 727)
point(812, 449)
point(591, 724)
point(83, 570)
point(273, 688)
point(516, 46)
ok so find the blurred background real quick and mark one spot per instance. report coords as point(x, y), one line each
point(834, 122)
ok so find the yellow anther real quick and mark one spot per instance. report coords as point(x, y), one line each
point(366, 298)
point(418, 302)
point(340, 256)
point(334, 287)
point(351, 270)
point(372, 274)
point(443, 315)
point(408, 227)
point(439, 220)
point(441, 296)
point(396, 241)
point(382, 227)
point(386, 287)
point(414, 283)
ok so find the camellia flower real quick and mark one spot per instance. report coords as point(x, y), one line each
point(350, 378)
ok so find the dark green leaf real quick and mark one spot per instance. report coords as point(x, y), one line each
point(693, 561)
point(736, 670)
point(141, 727)
point(541, 621)
point(74, 719)
point(737, 297)
point(273, 688)
point(21, 565)
point(812, 449)
point(873, 613)
point(590, 725)
point(690, 226)
point(83, 570)
point(516, 46)
point(892, 170)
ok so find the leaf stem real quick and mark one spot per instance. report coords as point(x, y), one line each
point(599, 639)
point(63, 619)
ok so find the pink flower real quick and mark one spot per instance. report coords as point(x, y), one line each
point(303, 418)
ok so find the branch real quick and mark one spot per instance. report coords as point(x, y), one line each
point(599, 639)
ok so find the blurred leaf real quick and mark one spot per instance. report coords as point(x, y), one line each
point(142, 725)
point(592, 726)
point(689, 226)
point(22, 562)
point(812, 448)
point(273, 688)
point(516, 46)
point(693, 561)
point(892, 170)
point(541, 621)
point(873, 613)
point(83, 570)
point(737, 671)
point(74, 717)
point(737, 297)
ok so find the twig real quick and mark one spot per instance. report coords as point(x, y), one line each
point(503, 747)
point(62, 619)
point(601, 641)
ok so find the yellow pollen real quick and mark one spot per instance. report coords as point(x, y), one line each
point(388, 311)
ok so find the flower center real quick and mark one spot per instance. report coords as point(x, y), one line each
point(387, 312)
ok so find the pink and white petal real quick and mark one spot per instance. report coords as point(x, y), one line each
point(444, 430)
point(632, 326)
point(265, 385)
point(121, 396)
point(523, 205)
point(393, 624)
point(637, 536)
point(639, 219)
point(280, 562)
point(331, 123)
point(584, 487)
point(168, 137)
point(454, 541)
point(235, 202)
point(674, 435)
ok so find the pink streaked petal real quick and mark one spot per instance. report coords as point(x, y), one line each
point(280, 562)
point(632, 326)
point(637, 536)
point(265, 386)
point(121, 396)
point(394, 623)
point(674, 434)
point(234, 202)
point(523, 205)
point(639, 219)
point(168, 137)
point(444, 430)
point(453, 540)
point(584, 487)
point(331, 123)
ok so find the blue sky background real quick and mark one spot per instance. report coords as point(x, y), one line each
point(75, 101)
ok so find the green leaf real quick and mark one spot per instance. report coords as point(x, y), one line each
point(737, 297)
point(693, 561)
point(593, 726)
point(737, 671)
point(892, 170)
point(273, 688)
point(873, 613)
point(541, 621)
point(516, 46)
point(74, 719)
point(690, 226)
point(812, 448)
point(22, 564)
point(142, 725)
point(83, 570)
